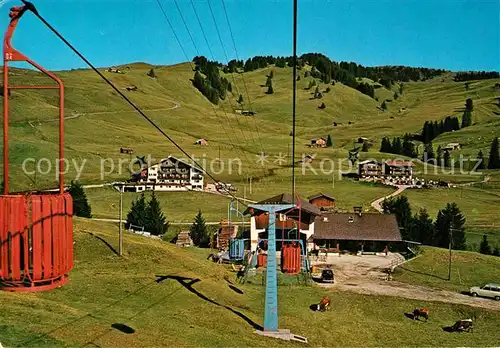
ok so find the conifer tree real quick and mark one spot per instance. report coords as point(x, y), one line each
point(447, 218)
point(198, 231)
point(81, 206)
point(329, 142)
point(156, 223)
point(469, 105)
point(494, 158)
point(480, 159)
point(484, 247)
point(137, 213)
point(384, 106)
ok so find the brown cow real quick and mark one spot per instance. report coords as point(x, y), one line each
point(324, 304)
point(420, 312)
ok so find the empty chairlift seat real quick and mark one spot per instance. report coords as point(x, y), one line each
point(36, 241)
point(291, 258)
point(236, 249)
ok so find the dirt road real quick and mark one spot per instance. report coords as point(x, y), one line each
point(365, 275)
point(377, 204)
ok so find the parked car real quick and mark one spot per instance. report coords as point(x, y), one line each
point(489, 290)
point(327, 276)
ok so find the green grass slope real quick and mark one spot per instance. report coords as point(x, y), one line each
point(207, 310)
point(468, 269)
point(105, 123)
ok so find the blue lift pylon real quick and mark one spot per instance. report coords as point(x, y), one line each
point(271, 307)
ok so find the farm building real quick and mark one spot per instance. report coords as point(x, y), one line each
point(398, 168)
point(184, 239)
point(451, 147)
point(286, 225)
point(369, 168)
point(307, 158)
point(170, 174)
point(322, 201)
point(334, 232)
point(201, 142)
point(126, 150)
point(318, 142)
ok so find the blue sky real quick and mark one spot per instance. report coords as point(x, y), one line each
point(450, 34)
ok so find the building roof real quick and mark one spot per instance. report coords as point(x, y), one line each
point(316, 139)
point(368, 227)
point(320, 195)
point(368, 162)
point(399, 163)
point(286, 198)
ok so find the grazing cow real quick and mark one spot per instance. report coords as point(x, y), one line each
point(420, 312)
point(324, 304)
point(463, 325)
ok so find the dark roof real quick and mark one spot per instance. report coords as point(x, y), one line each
point(286, 198)
point(399, 163)
point(319, 195)
point(368, 226)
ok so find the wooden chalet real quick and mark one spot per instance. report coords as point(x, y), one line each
point(335, 232)
point(322, 201)
point(184, 239)
point(226, 232)
point(126, 150)
point(451, 147)
point(369, 168)
point(307, 159)
point(318, 142)
point(201, 142)
point(398, 168)
point(295, 224)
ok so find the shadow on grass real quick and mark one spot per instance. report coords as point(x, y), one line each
point(448, 328)
point(422, 273)
point(410, 316)
point(104, 241)
point(188, 284)
point(123, 328)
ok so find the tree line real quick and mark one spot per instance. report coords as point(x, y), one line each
point(432, 130)
point(397, 146)
point(475, 75)
point(212, 86)
point(421, 228)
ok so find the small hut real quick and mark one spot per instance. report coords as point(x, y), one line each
point(201, 142)
point(184, 239)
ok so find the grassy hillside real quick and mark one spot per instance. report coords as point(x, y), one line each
point(468, 269)
point(207, 310)
point(103, 123)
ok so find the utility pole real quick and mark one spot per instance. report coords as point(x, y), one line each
point(120, 243)
point(294, 97)
point(219, 151)
point(450, 237)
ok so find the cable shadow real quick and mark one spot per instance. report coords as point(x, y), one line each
point(104, 241)
point(188, 284)
point(422, 273)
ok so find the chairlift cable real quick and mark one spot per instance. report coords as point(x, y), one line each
point(242, 75)
point(193, 69)
point(213, 58)
point(32, 8)
point(232, 75)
